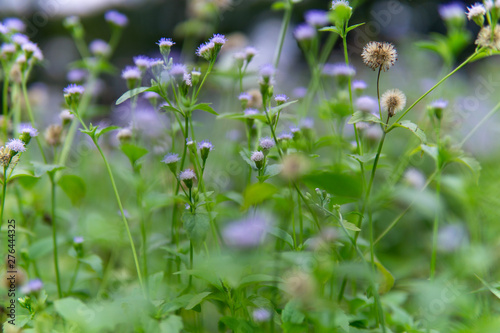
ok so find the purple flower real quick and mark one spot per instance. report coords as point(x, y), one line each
point(150, 95)
point(76, 75)
point(439, 104)
point(205, 145)
point(307, 123)
point(16, 145)
point(20, 39)
point(205, 50)
point(142, 62)
point(218, 39)
point(339, 69)
point(267, 70)
point(304, 32)
point(247, 233)
point(78, 240)
point(257, 156)
point(300, 92)
point(171, 158)
point(73, 90)
point(244, 96)
point(14, 24)
point(178, 71)
point(285, 136)
point(251, 112)
point(266, 143)
point(165, 42)
point(116, 18)
point(250, 52)
point(8, 49)
point(359, 85)
point(32, 286)
point(3, 29)
point(316, 17)
point(281, 98)
point(27, 128)
point(131, 73)
point(367, 104)
point(261, 315)
point(100, 48)
point(453, 10)
point(187, 174)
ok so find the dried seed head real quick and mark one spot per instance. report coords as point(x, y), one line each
point(256, 99)
point(484, 38)
point(5, 156)
point(53, 134)
point(393, 101)
point(379, 55)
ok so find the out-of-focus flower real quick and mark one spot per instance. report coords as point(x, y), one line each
point(247, 233)
point(261, 315)
point(99, 47)
point(13, 24)
point(484, 38)
point(316, 17)
point(304, 32)
point(16, 145)
point(116, 19)
point(414, 178)
point(359, 85)
point(53, 134)
point(187, 176)
point(367, 104)
point(32, 286)
point(77, 75)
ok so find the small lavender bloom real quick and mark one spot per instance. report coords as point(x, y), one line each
point(16, 145)
point(415, 178)
point(218, 39)
point(337, 3)
point(30, 48)
point(247, 233)
point(367, 104)
point(155, 62)
point(251, 112)
point(76, 75)
point(142, 62)
point(477, 10)
point(71, 21)
point(165, 42)
point(20, 39)
point(244, 96)
point(267, 70)
point(3, 29)
point(171, 158)
point(78, 239)
point(190, 142)
point(205, 50)
point(150, 95)
point(116, 18)
point(294, 129)
point(7, 49)
point(204, 144)
point(21, 59)
point(285, 136)
point(304, 32)
point(307, 123)
point(266, 143)
point(257, 156)
point(452, 10)
point(100, 48)
point(300, 92)
point(14, 24)
point(66, 116)
point(359, 85)
point(27, 128)
point(440, 104)
point(261, 315)
point(316, 17)
point(187, 174)
point(281, 98)
point(186, 79)
point(250, 52)
point(451, 237)
point(131, 73)
point(339, 69)
point(73, 90)
point(32, 286)
point(178, 71)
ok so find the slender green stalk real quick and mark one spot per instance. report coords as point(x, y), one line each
point(210, 66)
point(434, 87)
point(478, 125)
point(32, 119)
point(437, 215)
point(4, 193)
point(73, 278)
point(54, 234)
point(5, 102)
point(284, 27)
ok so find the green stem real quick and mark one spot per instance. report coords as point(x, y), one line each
point(488, 116)
point(284, 27)
point(54, 234)
point(4, 192)
point(435, 228)
point(5, 104)
point(75, 274)
point(434, 87)
point(32, 119)
point(210, 66)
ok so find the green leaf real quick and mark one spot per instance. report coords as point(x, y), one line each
point(196, 226)
point(495, 291)
point(41, 168)
point(172, 324)
point(361, 116)
point(257, 193)
point(197, 299)
point(281, 234)
point(338, 184)
point(106, 130)
point(134, 92)
point(365, 158)
point(74, 187)
point(273, 170)
point(244, 156)
point(432, 151)
point(258, 278)
point(472, 164)
point(95, 262)
point(204, 107)
point(292, 313)
point(387, 281)
point(171, 108)
point(278, 108)
point(133, 152)
point(414, 129)
point(72, 309)
point(352, 27)
point(331, 28)
point(176, 304)
point(350, 226)
point(20, 173)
